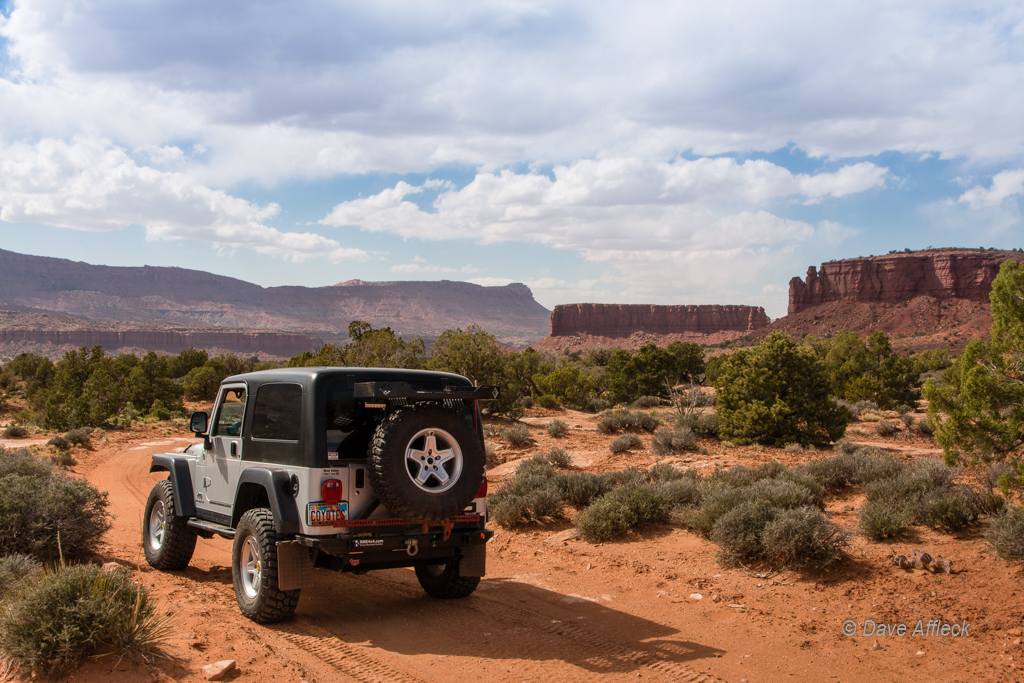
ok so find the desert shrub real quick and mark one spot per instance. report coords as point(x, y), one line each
point(739, 530)
point(704, 424)
point(860, 467)
point(65, 614)
point(64, 459)
point(870, 416)
point(665, 472)
point(630, 475)
point(845, 447)
point(887, 428)
point(926, 427)
point(531, 494)
point(492, 430)
point(626, 442)
point(667, 441)
point(38, 503)
point(861, 407)
point(60, 443)
point(781, 493)
point(793, 448)
point(14, 569)
point(647, 402)
point(769, 470)
point(557, 429)
point(630, 507)
point(681, 491)
point(880, 519)
point(1006, 535)
point(1001, 475)
point(715, 499)
point(597, 405)
point(802, 537)
point(559, 458)
point(79, 437)
point(517, 436)
point(15, 432)
point(548, 401)
point(524, 402)
point(991, 503)
point(613, 421)
point(580, 489)
point(951, 509)
point(908, 420)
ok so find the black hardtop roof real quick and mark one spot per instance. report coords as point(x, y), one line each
point(307, 376)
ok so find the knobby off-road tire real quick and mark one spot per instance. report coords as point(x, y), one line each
point(425, 463)
point(167, 539)
point(443, 580)
point(254, 570)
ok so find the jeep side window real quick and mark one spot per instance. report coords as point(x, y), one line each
point(277, 414)
point(229, 416)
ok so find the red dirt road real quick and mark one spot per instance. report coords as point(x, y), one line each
point(554, 607)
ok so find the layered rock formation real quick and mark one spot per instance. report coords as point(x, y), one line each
point(622, 320)
point(941, 274)
point(194, 298)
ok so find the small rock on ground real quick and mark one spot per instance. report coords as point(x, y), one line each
point(216, 671)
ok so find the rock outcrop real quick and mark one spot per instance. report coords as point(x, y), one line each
point(623, 320)
point(188, 298)
point(943, 275)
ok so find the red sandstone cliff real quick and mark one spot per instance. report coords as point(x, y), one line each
point(622, 320)
point(941, 274)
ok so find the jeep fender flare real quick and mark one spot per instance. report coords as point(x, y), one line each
point(181, 481)
point(278, 487)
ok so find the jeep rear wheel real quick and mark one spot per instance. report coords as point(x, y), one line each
point(426, 463)
point(167, 540)
point(254, 570)
point(443, 580)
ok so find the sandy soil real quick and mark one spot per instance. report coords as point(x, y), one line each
point(554, 607)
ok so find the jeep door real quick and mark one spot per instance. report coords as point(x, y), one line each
point(226, 448)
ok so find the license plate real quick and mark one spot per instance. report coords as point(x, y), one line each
point(326, 514)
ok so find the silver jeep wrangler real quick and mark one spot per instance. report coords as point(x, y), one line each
point(350, 469)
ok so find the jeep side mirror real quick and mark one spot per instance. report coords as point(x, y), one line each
point(198, 423)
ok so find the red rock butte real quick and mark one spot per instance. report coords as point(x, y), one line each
point(622, 320)
point(943, 274)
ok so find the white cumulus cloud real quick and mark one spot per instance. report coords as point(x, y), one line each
point(94, 185)
point(1004, 184)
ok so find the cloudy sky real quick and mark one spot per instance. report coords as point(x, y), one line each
point(640, 152)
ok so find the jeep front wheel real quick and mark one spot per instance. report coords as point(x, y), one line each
point(254, 570)
point(426, 463)
point(167, 540)
point(443, 580)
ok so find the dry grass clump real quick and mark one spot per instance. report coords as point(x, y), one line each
point(887, 428)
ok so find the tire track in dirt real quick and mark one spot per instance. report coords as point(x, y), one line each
point(352, 661)
point(608, 655)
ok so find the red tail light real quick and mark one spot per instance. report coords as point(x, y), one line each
point(331, 491)
point(483, 490)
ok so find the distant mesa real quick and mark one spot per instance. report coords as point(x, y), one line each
point(942, 274)
point(576, 326)
point(190, 299)
point(936, 298)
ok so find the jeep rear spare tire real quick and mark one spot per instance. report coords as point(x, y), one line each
point(426, 463)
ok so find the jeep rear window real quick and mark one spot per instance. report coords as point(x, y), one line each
point(278, 412)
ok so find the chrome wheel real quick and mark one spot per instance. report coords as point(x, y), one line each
point(156, 525)
point(433, 460)
point(250, 562)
